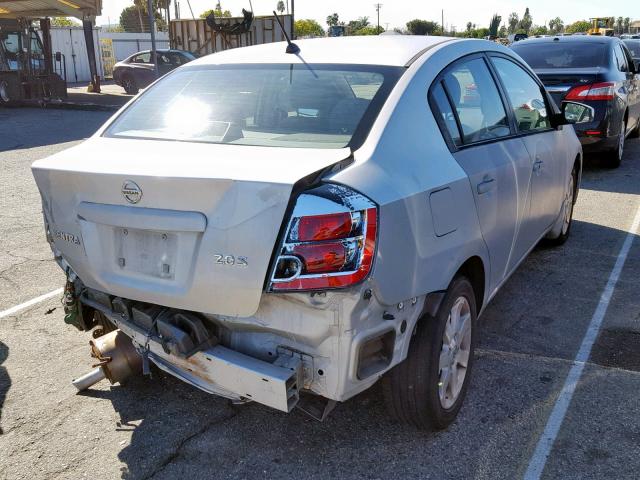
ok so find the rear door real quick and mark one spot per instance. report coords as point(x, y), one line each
point(543, 142)
point(497, 163)
point(143, 70)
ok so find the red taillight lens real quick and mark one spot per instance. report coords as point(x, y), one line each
point(324, 227)
point(321, 257)
point(596, 91)
point(328, 251)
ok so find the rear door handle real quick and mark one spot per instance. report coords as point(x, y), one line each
point(486, 185)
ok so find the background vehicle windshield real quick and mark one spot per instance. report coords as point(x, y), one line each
point(320, 106)
point(562, 54)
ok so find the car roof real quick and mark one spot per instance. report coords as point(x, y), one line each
point(569, 39)
point(393, 50)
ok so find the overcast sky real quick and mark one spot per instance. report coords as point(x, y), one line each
point(396, 13)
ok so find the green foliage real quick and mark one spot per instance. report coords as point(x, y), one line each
point(526, 22)
point(217, 13)
point(280, 7)
point(579, 26)
point(368, 30)
point(494, 24)
point(539, 30)
point(513, 22)
point(423, 27)
point(136, 19)
point(333, 20)
point(355, 25)
point(308, 28)
point(556, 25)
point(502, 33)
point(64, 22)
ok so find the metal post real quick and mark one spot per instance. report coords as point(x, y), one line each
point(293, 23)
point(45, 28)
point(152, 28)
point(87, 26)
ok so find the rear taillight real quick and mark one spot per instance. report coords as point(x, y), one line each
point(330, 241)
point(595, 91)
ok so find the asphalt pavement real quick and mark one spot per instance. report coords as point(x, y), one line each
point(161, 428)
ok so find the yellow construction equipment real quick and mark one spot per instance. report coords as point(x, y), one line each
point(602, 26)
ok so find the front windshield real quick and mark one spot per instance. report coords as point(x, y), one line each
point(313, 106)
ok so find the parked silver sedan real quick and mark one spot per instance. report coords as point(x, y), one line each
point(262, 224)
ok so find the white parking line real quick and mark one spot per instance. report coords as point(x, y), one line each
point(33, 301)
point(545, 444)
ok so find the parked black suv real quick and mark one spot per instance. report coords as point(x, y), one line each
point(596, 71)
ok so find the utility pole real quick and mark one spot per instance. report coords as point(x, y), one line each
point(152, 28)
point(442, 21)
point(293, 19)
point(378, 6)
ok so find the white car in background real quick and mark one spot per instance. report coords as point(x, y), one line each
point(261, 224)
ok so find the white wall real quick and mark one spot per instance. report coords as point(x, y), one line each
point(70, 42)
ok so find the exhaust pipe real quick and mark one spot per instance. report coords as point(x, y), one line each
point(117, 357)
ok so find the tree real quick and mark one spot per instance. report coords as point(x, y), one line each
point(526, 22)
point(136, 19)
point(619, 25)
point(494, 24)
point(355, 25)
point(502, 33)
point(63, 22)
point(280, 7)
point(626, 25)
point(308, 28)
point(578, 27)
point(556, 25)
point(333, 20)
point(369, 30)
point(539, 30)
point(513, 22)
point(423, 27)
point(218, 12)
point(469, 27)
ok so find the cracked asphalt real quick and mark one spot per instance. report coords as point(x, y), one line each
point(163, 429)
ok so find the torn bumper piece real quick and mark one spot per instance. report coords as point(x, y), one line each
point(222, 371)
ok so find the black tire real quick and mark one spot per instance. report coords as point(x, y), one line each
point(566, 229)
point(411, 388)
point(10, 91)
point(613, 158)
point(129, 85)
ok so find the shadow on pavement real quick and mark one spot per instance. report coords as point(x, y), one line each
point(35, 127)
point(5, 380)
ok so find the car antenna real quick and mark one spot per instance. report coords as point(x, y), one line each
point(291, 47)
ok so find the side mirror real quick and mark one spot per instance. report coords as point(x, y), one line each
point(58, 56)
point(573, 112)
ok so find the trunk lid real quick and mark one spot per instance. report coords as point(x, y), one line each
point(184, 225)
point(559, 81)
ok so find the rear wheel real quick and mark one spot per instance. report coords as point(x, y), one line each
point(567, 211)
point(428, 388)
point(613, 158)
point(9, 91)
point(129, 85)
point(636, 131)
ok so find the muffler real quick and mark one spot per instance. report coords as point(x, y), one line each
point(117, 358)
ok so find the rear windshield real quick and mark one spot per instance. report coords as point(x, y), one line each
point(634, 47)
point(313, 106)
point(562, 54)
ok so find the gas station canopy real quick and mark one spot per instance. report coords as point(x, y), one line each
point(50, 8)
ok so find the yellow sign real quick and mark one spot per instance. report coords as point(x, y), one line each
point(108, 58)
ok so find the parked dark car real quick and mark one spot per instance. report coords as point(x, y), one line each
point(137, 71)
point(596, 71)
point(633, 44)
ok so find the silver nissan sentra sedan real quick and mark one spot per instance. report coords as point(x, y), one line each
point(290, 228)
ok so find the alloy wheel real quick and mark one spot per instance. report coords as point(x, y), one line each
point(454, 355)
point(4, 91)
point(623, 131)
point(568, 204)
